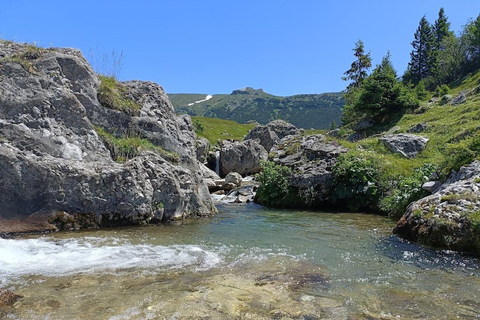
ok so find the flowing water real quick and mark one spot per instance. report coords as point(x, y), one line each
point(246, 263)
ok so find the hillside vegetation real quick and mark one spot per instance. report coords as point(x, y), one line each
point(218, 129)
point(307, 111)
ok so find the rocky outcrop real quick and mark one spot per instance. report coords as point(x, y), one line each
point(407, 145)
point(242, 157)
point(311, 159)
point(54, 164)
point(450, 217)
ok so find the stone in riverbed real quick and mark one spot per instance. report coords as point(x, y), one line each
point(235, 178)
point(242, 157)
point(8, 298)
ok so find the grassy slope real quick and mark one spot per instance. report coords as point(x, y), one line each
point(218, 129)
point(447, 125)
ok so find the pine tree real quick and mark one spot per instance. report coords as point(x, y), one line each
point(333, 126)
point(382, 92)
point(422, 56)
point(358, 70)
point(441, 29)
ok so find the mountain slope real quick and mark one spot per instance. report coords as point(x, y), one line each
point(304, 111)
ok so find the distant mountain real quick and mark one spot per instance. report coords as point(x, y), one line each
point(304, 110)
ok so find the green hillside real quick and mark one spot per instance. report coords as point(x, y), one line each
point(219, 129)
point(304, 111)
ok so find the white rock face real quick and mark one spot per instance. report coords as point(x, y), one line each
point(52, 162)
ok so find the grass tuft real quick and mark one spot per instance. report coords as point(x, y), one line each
point(113, 94)
point(128, 147)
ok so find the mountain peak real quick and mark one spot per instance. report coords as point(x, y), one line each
point(247, 90)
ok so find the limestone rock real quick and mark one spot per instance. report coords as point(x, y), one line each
point(203, 148)
point(235, 178)
point(407, 145)
point(54, 162)
point(431, 186)
point(461, 98)
point(449, 217)
point(311, 159)
point(242, 157)
point(266, 137)
point(282, 128)
point(417, 128)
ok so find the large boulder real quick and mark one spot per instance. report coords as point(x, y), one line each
point(56, 167)
point(449, 218)
point(283, 128)
point(407, 145)
point(242, 157)
point(235, 178)
point(266, 137)
point(311, 159)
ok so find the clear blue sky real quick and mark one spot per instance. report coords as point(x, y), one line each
point(202, 46)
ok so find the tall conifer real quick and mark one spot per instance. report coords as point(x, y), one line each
point(422, 56)
point(358, 70)
point(441, 29)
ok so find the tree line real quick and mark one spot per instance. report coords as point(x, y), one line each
point(438, 57)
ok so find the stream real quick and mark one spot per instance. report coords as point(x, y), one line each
point(248, 262)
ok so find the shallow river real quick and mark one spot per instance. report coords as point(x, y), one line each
point(246, 263)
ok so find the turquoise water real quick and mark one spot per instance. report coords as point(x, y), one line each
point(248, 262)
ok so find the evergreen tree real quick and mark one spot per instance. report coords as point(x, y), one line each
point(422, 56)
point(471, 41)
point(441, 29)
point(358, 70)
point(382, 93)
point(333, 126)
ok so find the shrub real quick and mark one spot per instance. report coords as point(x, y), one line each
point(441, 90)
point(356, 180)
point(273, 190)
point(421, 92)
point(405, 190)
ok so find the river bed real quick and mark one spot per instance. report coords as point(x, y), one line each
point(248, 262)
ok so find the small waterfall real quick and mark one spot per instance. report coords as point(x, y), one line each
point(217, 162)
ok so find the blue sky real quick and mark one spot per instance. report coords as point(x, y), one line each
point(285, 47)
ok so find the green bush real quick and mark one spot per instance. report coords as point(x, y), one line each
point(441, 90)
point(357, 181)
point(404, 190)
point(421, 92)
point(273, 190)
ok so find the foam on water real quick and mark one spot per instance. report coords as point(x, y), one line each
point(92, 255)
